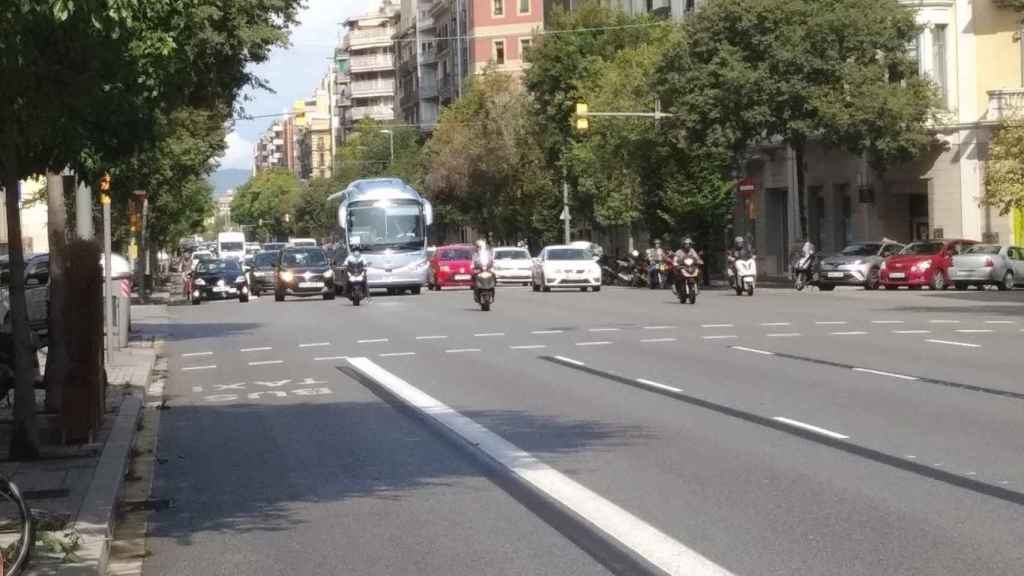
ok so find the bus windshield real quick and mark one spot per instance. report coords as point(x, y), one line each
point(379, 225)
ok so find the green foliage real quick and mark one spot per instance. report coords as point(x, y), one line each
point(367, 153)
point(264, 202)
point(1004, 172)
point(312, 216)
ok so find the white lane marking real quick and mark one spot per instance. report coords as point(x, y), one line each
point(976, 331)
point(951, 343)
point(943, 321)
point(191, 368)
point(911, 457)
point(570, 360)
point(266, 362)
point(654, 384)
point(197, 389)
point(194, 354)
point(811, 427)
point(651, 340)
point(547, 331)
point(393, 354)
point(661, 550)
point(257, 349)
point(371, 341)
point(461, 350)
point(720, 337)
point(888, 322)
point(488, 334)
point(851, 333)
point(600, 343)
point(156, 388)
point(911, 331)
point(776, 323)
point(1000, 321)
point(431, 337)
point(322, 358)
point(832, 323)
point(528, 347)
point(883, 373)
point(314, 345)
point(658, 327)
point(754, 350)
point(716, 325)
point(604, 330)
point(783, 334)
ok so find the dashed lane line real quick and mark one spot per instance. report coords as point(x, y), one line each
point(193, 368)
point(776, 323)
point(1000, 321)
point(943, 321)
point(603, 329)
point(716, 325)
point(975, 331)
point(653, 340)
point(720, 337)
point(911, 331)
point(196, 354)
point(811, 428)
point(888, 322)
point(754, 350)
point(952, 343)
point(654, 384)
point(570, 361)
point(884, 373)
point(314, 345)
point(850, 333)
point(266, 362)
point(783, 334)
point(461, 350)
point(528, 347)
point(323, 358)
point(488, 334)
point(396, 354)
point(832, 323)
point(547, 332)
point(436, 337)
point(662, 327)
point(599, 343)
point(256, 349)
point(372, 341)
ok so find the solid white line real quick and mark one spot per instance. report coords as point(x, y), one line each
point(911, 331)
point(603, 343)
point(720, 337)
point(487, 334)
point(775, 323)
point(371, 341)
point(431, 337)
point(657, 385)
point(658, 327)
point(1000, 321)
point(460, 350)
point(951, 343)
point(716, 325)
point(943, 321)
point(811, 427)
point(888, 322)
point(547, 331)
point(528, 347)
point(266, 362)
point(656, 547)
point(320, 358)
point(882, 373)
point(853, 333)
point(754, 350)
point(393, 354)
point(570, 360)
point(194, 354)
point(650, 340)
point(783, 334)
point(258, 349)
point(314, 345)
point(604, 330)
point(975, 331)
point(190, 368)
point(832, 323)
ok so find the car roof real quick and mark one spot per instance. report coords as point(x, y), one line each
point(512, 248)
point(566, 247)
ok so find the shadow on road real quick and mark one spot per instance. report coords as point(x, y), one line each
point(179, 332)
point(974, 302)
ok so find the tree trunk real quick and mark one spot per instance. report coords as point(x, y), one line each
point(57, 351)
point(25, 434)
point(801, 192)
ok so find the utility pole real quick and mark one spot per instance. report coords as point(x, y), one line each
point(108, 305)
point(391, 143)
point(566, 218)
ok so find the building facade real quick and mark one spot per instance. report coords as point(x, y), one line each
point(369, 47)
point(276, 147)
point(416, 64)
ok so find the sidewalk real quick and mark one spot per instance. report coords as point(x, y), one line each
point(75, 489)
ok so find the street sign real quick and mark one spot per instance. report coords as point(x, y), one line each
point(745, 187)
point(565, 214)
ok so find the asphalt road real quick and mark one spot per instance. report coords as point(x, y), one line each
point(834, 433)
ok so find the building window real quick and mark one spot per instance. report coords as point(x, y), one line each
point(524, 45)
point(939, 62)
point(524, 6)
point(498, 9)
point(499, 52)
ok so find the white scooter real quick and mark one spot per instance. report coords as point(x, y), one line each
point(743, 274)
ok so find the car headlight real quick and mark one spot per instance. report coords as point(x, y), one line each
point(240, 279)
point(329, 273)
point(287, 276)
point(924, 265)
point(421, 265)
point(200, 282)
point(884, 264)
point(858, 262)
point(445, 268)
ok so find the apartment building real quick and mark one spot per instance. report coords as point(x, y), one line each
point(416, 91)
point(275, 148)
point(369, 46)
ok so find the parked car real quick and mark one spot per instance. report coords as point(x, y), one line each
point(219, 280)
point(858, 264)
point(981, 265)
point(922, 263)
point(451, 265)
point(262, 271)
point(303, 271)
point(512, 265)
point(198, 256)
point(565, 267)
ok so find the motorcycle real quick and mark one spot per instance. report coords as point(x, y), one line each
point(658, 275)
point(743, 274)
point(357, 287)
point(686, 284)
point(803, 271)
point(484, 282)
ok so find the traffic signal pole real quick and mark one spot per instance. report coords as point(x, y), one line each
point(108, 304)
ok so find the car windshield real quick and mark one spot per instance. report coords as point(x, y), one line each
point(511, 255)
point(569, 254)
point(861, 250)
point(273, 246)
point(200, 256)
point(456, 254)
point(310, 257)
point(265, 259)
point(232, 247)
point(922, 249)
point(983, 249)
point(385, 224)
point(215, 266)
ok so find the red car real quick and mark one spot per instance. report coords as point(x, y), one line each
point(451, 266)
point(922, 263)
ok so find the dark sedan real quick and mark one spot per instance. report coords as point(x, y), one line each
point(219, 280)
point(303, 271)
point(859, 264)
point(262, 271)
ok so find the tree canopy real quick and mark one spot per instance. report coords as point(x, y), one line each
point(1004, 172)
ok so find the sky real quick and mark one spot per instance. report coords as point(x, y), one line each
point(292, 72)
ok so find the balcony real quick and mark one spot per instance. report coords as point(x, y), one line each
point(367, 38)
point(375, 112)
point(428, 89)
point(366, 88)
point(1003, 104)
point(370, 63)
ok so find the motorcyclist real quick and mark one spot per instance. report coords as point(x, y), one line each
point(481, 253)
point(740, 250)
point(686, 250)
point(655, 256)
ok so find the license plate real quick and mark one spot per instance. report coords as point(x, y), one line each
point(220, 288)
point(462, 277)
point(311, 284)
point(835, 274)
point(897, 275)
point(962, 272)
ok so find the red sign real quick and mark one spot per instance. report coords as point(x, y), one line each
point(745, 187)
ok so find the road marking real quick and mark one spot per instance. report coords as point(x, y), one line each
point(156, 388)
point(488, 334)
point(191, 368)
point(911, 331)
point(221, 398)
point(943, 321)
point(975, 331)
point(658, 327)
point(528, 347)
point(266, 362)
point(649, 543)
point(371, 341)
point(783, 334)
point(811, 427)
point(235, 386)
point(461, 350)
point(716, 325)
point(197, 389)
point(720, 337)
point(321, 358)
point(547, 331)
point(314, 345)
point(257, 349)
point(754, 350)
point(883, 373)
point(570, 361)
point(600, 343)
point(431, 337)
point(651, 340)
point(888, 322)
point(1000, 321)
point(776, 324)
point(851, 333)
point(393, 354)
point(951, 343)
point(654, 384)
point(194, 354)
point(277, 393)
point(604, 330)
point(832, 323)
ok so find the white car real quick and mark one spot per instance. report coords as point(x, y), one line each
point(512, 265)
point(566, 267)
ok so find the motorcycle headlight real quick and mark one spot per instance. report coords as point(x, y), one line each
point(287, 276)
point(329, 273)
point(200, 282)
point(240, 279)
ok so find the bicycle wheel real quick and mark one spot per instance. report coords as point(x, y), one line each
point(15, 529)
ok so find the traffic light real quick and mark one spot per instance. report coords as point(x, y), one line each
point(582, 117)
point(105, 183)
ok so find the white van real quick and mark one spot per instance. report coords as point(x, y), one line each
point(231, 245)
point(303, 242)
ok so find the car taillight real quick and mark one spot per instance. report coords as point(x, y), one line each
point(989, 263)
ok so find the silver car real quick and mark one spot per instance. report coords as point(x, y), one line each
point(983, 265)
point(856, 265)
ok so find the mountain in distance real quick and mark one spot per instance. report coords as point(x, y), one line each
point(228, 179)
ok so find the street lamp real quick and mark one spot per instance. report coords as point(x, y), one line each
point(391, 142)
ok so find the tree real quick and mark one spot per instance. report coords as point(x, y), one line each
point(367, 153)
point(312, 217)
point(832, 71)
point(266, 202)
point(1004, 171)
